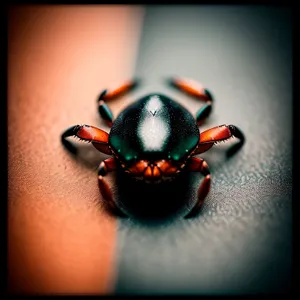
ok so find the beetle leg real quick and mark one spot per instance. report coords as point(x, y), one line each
point(199, 165)
point(197, 91)
point(103, 109)
point(98, 137)
point(210, 137)
point(105, 167)
point(118, 92)
point(203, 113)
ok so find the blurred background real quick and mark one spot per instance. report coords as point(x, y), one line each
point(60, 58)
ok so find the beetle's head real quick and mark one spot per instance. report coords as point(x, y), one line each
point(151, 166)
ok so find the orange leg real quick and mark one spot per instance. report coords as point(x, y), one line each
point(103, 109)
point(98, 137)
point(105, 167)
point(197, 91)
point(199, 165)
point(210, 137)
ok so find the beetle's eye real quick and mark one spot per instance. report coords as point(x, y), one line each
point(130, 158)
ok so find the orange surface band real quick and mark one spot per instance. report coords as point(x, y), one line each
point(61, 239)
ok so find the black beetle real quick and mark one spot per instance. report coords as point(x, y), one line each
point(154, 138)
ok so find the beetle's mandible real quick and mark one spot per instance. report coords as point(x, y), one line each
point(154, 138)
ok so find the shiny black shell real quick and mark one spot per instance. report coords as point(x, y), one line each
point(153, 128)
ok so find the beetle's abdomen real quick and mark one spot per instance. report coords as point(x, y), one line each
point(155, 127)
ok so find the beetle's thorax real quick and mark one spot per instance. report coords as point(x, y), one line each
point(153, 135)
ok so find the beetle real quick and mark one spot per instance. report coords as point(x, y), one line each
point(154, 138)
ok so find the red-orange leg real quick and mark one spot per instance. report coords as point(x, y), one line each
point(98, 137)
point(210, 137)
point(105, 167)
point(197, 91)
point(199, 165)
point(103, 109)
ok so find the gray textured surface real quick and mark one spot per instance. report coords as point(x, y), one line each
point(242, 240)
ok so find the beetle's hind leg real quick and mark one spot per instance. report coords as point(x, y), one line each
point(105, 167)
point(197, 91)
point(105, 96)
point(199, 165)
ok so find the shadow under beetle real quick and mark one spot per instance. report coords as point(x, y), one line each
point(154, 138)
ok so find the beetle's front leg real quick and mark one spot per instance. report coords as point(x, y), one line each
point(196, 90)
point(103, 109)
point(211, 136)
point(105, 167)
point(98, 137)
point(199, 165)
